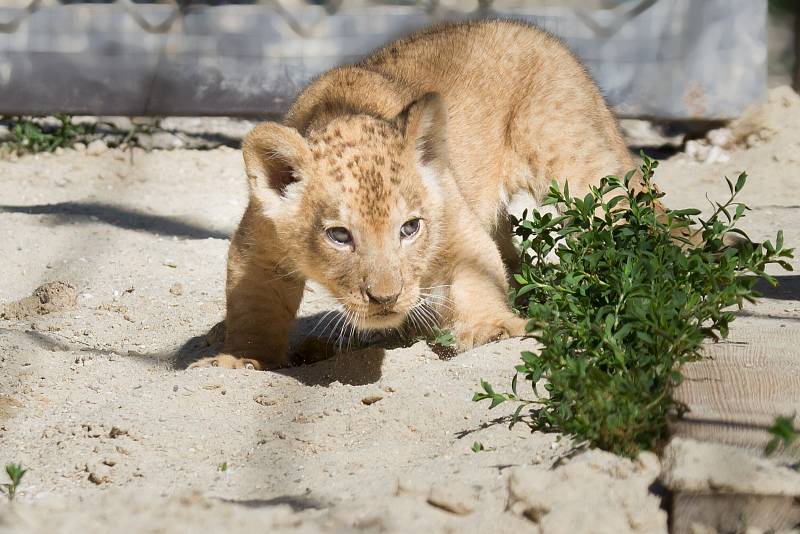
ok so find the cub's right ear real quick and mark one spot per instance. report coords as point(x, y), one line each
point(275, 158)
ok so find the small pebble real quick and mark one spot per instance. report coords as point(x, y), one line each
point(263, 400)
point(96, 147)
point(371, 399)
point(720, 137)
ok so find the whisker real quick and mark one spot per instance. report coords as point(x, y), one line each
point(345, 332)
point(439, 305)
point(412, 317)
point(324, 315)
point(430, 322)
point(433, 305)
point(423, 322)
point(336, 338)
point(435, 295)
point(327, 326)
point(424, 318)
point(353, 324)
point(345, 326)
point(439, 315)
point(341, 327)
point(438, 302)
point(434, 319)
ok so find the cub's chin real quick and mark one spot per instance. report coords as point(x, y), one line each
point(383, 321)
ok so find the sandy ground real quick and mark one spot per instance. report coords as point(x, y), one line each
point(118, 436)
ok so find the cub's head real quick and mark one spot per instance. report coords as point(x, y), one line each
point(357, 204)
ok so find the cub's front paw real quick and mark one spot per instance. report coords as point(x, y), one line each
point(485, 332)
point(227, 361)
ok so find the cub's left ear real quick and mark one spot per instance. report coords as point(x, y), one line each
point(426, 130)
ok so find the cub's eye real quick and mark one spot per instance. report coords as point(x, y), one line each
point(339, 235)
point(409, 228)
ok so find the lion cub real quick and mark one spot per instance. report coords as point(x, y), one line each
point(387, 184)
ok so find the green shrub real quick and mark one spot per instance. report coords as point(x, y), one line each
point(624, 307)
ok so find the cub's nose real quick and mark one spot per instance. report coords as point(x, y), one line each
point(383, 300)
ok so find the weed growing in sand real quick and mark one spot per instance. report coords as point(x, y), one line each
point(222, 467)
point(624, 307)
point(15, 472)
point(29, 136)
point(477, 447)
point(443, 343)
point(444, 338)
point(784, 436)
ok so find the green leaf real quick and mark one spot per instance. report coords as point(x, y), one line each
point(772, 446)
point(685, 212)
point(740, 182)
point(497, 399)
point(783, 433)
point(677, 378)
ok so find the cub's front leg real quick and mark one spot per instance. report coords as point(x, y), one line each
point(262, 302)
point(478, 294)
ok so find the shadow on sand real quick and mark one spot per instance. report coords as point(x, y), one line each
point(316, 360)
point(121, 217)
point(788, 288)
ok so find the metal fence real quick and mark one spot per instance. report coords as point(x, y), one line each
point(668, 58)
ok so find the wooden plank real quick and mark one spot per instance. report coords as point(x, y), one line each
point(732, 513)
point(734, 394)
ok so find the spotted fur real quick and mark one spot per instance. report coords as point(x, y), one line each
point(443, 126)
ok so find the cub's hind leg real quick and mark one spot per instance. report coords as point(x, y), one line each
point(503, 236)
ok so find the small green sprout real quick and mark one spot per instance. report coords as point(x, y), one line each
point(15, 472)
point(444, 338)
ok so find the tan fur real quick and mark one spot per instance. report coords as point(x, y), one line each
point(443, 126)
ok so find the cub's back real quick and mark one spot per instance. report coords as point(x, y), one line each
point(479, 57)
point(508, 87)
